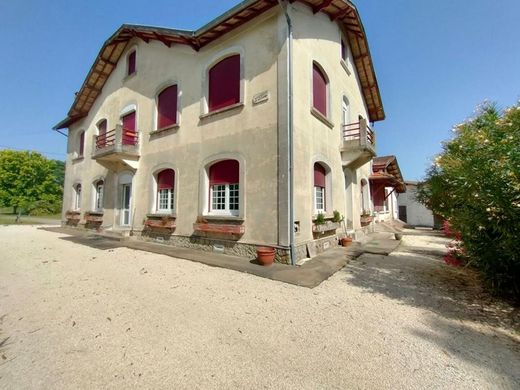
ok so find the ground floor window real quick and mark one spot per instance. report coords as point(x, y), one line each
point(320, 174)
point(99, 187)
point(224, 188)
point(165, 191)
point(77, 197)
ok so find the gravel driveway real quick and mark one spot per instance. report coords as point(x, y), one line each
point(77, 317)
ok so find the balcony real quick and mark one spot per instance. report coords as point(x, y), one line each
point(359, 144)
point(117, 146)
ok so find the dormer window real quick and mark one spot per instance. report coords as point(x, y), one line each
point(131, 63)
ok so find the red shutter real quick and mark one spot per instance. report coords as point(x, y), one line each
point(129, 137)
point(131, 63)
point(224, 172)
point(224, 83)
point(319, 90)
point(319, 175)
point(102, 127)
point(166, 179)
point(81, 143)
point(167, 107)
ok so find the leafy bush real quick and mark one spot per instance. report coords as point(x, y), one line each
point(475, 184)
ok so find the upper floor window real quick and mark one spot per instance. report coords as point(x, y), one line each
point(81, 146)
point(131, 64)
point(344, 50)
point(129, 128)
point(345, 111)
point(101, 139)
point(167, 107)
point(165, 190)
point(319, 188)
point(224, 188)
point(224, 83)
point(98, 192)
point(77, 197)
point(320, 85)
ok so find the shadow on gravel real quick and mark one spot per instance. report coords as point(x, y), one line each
point(459, 341)
point(93, 241)
point(417, 276)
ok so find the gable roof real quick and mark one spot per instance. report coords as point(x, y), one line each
point(342, 11)
point(386, 168)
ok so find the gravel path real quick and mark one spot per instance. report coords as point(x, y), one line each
point(77, 317)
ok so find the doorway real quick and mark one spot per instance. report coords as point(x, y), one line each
point(125, 199)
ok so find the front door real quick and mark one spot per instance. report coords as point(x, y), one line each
point(402, 214)
point(125, 204)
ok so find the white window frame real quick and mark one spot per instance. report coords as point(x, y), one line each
point(323, 191)
point(77, 196)
point(227, 200)
point(170, 200)
point(99, 195)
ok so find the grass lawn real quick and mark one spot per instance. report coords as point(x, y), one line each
point(8, 218)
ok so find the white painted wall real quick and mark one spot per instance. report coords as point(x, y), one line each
point(417, 213)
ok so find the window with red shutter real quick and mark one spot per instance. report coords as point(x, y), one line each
point(129, 129)
point(102, 131)
point(224, 187)
point(167, 107)
point(165, 190)
point(131, 63)
point(319, 90)
point(81, 144)
point(224, 83)
point(319, 188)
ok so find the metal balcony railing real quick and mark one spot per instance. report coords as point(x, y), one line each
point(117, 136)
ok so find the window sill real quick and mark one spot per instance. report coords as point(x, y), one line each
point(322, 118)
point(165, 129)
point(78, 159)
point(129, 77)
point(162, 214)
point(214, 217)
point(345, 67)
point(216, 112)
point(95, 212)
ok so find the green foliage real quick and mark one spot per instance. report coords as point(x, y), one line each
point(337, 217)
point(320, 219)
point(475, 184)
point(30, 182)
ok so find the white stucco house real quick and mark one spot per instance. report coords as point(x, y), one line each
point(240, 134)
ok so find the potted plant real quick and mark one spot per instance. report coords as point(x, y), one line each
point(346, 241)
point(365, 218)
point(265, 255)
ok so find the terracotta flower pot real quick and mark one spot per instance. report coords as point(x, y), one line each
point(346, 241)
point(265, 255)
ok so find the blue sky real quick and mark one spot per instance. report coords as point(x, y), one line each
point(435, 61)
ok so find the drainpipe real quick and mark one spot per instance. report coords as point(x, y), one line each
point(290, 162)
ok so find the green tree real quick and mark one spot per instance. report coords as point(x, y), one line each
point(475, 184)
point(30, 182)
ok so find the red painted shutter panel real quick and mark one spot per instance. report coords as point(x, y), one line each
point(129, 137)
point(167, 107)
point(81, 143)
point(166, 179)
point(224, 83)
point(224, 172)
point(319, 176)
point(131, 63)
point(102, 127)
point(319, 90)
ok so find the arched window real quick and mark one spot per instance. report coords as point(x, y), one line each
point(224, 83)
point(320, 174)
point(101, 139)
point(319, 90)
point(81, 146)
point(165, 190)
point(131, 63)
point(98, 195)
point(167, 107)
point(224, 187)
point(77, 197)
